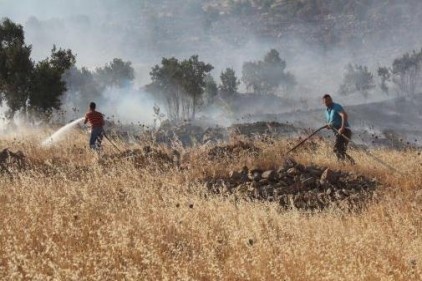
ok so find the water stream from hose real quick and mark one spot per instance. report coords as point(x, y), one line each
point(60, 133)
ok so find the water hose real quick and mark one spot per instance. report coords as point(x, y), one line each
point(367, 152)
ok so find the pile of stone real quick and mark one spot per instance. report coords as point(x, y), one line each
point(147, 156)
point(297, 186)
point(233, 150)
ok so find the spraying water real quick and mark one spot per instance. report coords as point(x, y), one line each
point(60, 132)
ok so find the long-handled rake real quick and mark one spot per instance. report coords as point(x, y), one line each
point(304, 140)
point(112, 143)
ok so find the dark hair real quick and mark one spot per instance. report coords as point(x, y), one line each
point(92, 105)
point(326, 96)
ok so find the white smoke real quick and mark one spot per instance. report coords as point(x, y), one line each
point(128, 105)
point(124, 105)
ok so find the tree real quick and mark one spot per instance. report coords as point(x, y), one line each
point(210, 90)
point(406, 72)
point(15, 66)
point(385, 74)
point(252, 76)
point(229, 83)
point(24, 85)
point(85, 86)
point(265, 77)
point(165, 84)
point(47, 86)
point(180, 85)
point(274, 72)
point(116, 74)
point(193, 82)
point(357, 78)
point(62, 60)
point(82, 87)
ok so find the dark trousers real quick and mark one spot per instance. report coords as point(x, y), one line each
point(340, 146)
point(96, 138)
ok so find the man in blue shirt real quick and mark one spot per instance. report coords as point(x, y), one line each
point(337, 119)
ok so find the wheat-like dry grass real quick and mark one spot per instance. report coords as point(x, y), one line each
point(69, 218)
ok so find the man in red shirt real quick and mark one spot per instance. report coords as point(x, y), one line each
point(96, 120)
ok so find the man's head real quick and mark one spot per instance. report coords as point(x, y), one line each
point(92, 106)
point(327, 100)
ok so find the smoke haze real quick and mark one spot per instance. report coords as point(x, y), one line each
point(145, 31)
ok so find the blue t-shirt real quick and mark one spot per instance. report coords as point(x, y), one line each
point(333, 117)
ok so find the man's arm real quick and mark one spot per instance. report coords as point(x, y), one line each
point(86, 119)
point(344, 117)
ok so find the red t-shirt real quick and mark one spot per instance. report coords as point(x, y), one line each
point(95, 119)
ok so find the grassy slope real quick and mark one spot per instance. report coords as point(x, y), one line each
point(84, 221)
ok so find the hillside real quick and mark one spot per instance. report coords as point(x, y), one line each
point(327, 24)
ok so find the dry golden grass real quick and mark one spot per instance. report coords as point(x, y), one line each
point(70, 218)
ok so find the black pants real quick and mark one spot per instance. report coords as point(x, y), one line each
point(340, 146)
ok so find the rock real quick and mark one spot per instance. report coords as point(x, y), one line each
point(308, 182)
point(314, 172)
point(281, 170)
point(264, 182)
point(289, 163)
point(270, 175)
point(345, 192)
point(254, 175)
point(292, 171)
point(327, 176)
